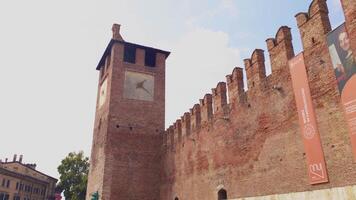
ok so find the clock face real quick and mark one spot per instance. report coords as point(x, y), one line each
point(103, 93)
point(138, 86)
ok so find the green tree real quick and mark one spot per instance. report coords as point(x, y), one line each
point(73, 178)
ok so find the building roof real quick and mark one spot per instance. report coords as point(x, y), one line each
point(20, 176)
point(28, 167)
point(112, 42)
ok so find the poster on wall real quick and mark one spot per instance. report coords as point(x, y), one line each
point(344, 64)
point(307, 121)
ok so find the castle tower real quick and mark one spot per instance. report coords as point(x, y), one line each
point(125, 159)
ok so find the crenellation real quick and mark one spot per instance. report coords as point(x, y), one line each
point(314, 25)
point(171, 137)
point(271, 43)
point(249, 72)
point(255, 69)
point(219, 99)
point(247, 64)
point(318, 6)
point(283, 33)
point(235, 85)
point(280, 49)
point(174, 133)
point(185, 124)
point(178, 130)
point(195, 119)
point(302, 18)
point(206, 108)
point(258, 57)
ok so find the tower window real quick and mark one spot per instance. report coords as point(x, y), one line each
point(150, 58)
point(129, 54)
point(222, 194)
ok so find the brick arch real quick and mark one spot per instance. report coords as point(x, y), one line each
point(222, 194)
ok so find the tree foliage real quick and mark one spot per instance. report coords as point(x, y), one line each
point(73, 178)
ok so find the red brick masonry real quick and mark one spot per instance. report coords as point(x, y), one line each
point(245, 141)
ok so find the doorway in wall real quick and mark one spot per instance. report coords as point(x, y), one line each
point(222, 194)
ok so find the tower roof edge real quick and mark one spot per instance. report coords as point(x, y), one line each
point(113, 41)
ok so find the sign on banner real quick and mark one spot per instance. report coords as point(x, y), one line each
point(307, 121)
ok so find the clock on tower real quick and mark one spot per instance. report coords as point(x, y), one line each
point(139, 86)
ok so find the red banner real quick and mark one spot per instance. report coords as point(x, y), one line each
point(307, 121)
point(344, 64)
point(348, 98)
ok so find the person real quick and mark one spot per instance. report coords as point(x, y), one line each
point(349, 62)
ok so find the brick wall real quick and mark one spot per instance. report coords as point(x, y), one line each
point(251, 145)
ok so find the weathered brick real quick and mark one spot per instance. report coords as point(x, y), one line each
point(250, 145)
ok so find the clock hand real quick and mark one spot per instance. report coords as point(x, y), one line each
point(141, 86)
point(146, 91)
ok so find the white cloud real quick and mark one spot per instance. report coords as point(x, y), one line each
point(199, 60)
point(225, 7)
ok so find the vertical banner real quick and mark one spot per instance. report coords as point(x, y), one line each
point(344, 64)
point(307, 121)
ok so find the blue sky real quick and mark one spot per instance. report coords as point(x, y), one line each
point(49, 51)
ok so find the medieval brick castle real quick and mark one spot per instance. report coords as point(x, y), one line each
point(234, 144)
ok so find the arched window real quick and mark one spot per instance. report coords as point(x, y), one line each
point(222, 194)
